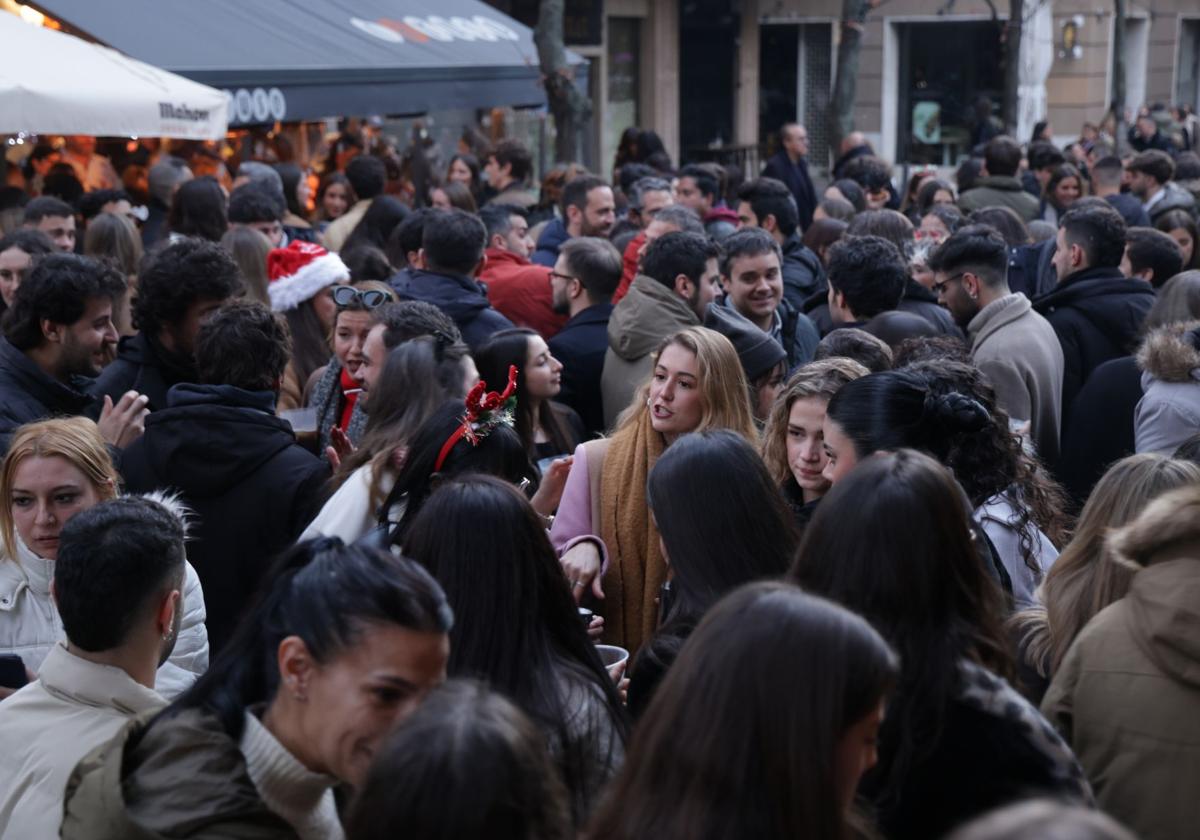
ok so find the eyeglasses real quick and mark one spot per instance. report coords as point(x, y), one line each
point(564, 277)
point(938, 288)
point(370, 298)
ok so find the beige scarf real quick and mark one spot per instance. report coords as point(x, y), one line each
point(636, 568)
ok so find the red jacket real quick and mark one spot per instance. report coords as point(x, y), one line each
point(629, 263)
point(520, 291)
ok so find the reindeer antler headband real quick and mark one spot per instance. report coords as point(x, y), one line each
point(485, 411)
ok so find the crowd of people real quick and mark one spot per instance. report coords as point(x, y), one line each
point(672, 504)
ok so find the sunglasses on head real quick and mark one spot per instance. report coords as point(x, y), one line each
point(370, 298)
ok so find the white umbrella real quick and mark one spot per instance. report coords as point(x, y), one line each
point(54, 83)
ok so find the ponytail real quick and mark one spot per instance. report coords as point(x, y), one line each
point(322, 591)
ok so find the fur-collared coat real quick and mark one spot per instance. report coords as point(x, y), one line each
point(1169, 411)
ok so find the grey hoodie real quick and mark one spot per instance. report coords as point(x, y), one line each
point(644, 317)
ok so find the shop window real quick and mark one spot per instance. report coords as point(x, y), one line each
point(943, 70)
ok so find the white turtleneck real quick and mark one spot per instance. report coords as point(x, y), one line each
point(291, 790)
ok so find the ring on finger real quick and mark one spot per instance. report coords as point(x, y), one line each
point(576, 584)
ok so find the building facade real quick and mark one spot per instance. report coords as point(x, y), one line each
point(725, 74)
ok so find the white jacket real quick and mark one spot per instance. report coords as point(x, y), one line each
point(349, 513)
point(999, 518)
point(49, 725)
point(30, 626)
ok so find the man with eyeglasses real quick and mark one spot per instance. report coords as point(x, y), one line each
point(1010, 342)
point(178, 288)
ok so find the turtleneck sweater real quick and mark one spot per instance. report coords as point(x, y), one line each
point(291, 790)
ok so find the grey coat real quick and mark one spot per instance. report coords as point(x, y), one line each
point(1169, 411)
point(1021, 355)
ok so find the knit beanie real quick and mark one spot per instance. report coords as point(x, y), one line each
point(756, 350)
point(297, 272)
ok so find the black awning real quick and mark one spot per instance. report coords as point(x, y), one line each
point(297, 59)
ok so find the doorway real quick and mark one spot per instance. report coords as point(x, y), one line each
point(943, 70)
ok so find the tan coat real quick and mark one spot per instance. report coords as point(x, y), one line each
point(49, 725)
point(339, 229)
point(1127, 699)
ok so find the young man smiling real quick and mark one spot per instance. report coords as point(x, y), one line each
point(752, 274)
point(58, 334)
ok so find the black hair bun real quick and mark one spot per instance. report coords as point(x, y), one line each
point(957, 412)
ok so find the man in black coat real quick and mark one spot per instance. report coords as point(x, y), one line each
point(57, 335)
point(582, 285)
point(237, 466)
point(1095, 310)
point(790, 166)
point(178, 287)
point(452, 251)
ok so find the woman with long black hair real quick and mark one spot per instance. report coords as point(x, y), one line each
point(343, 644)
point(548, 429)
point(518, 627)
point(947, 410)
point(713, 542)
point(761, 729)
point(958, 739)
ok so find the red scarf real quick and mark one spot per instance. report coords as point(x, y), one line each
point(348, 383)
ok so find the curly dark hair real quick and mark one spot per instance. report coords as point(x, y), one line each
point(245, 345)
point(58, 289)
point(869, 270)
point(173, 278)
point(994, 460)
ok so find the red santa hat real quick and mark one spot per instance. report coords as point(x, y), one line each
point(299, 271)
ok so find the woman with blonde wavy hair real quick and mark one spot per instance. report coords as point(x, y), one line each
point(1084, 580)
point(604, 532)
point(55, 469)
point(793, 441)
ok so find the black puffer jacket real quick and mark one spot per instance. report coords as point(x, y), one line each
point(238, 466)
point(145, 366)
point(27, 394)
point(1096, 314)
point(802, 272)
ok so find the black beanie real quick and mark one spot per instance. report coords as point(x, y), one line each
point(756, 350)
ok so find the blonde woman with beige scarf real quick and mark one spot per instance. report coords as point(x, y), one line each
point(606, 538)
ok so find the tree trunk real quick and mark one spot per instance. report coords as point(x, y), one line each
point(1012, 65)
point(1118, 76)
point(841, 103)
point(571, 108)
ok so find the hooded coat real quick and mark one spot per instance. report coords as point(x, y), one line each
point(1169, 411)
point(1097, 314)
point(1127, 695)
point(643, 318)
point(182, 777)
point(463, 299)
point(238, 467)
